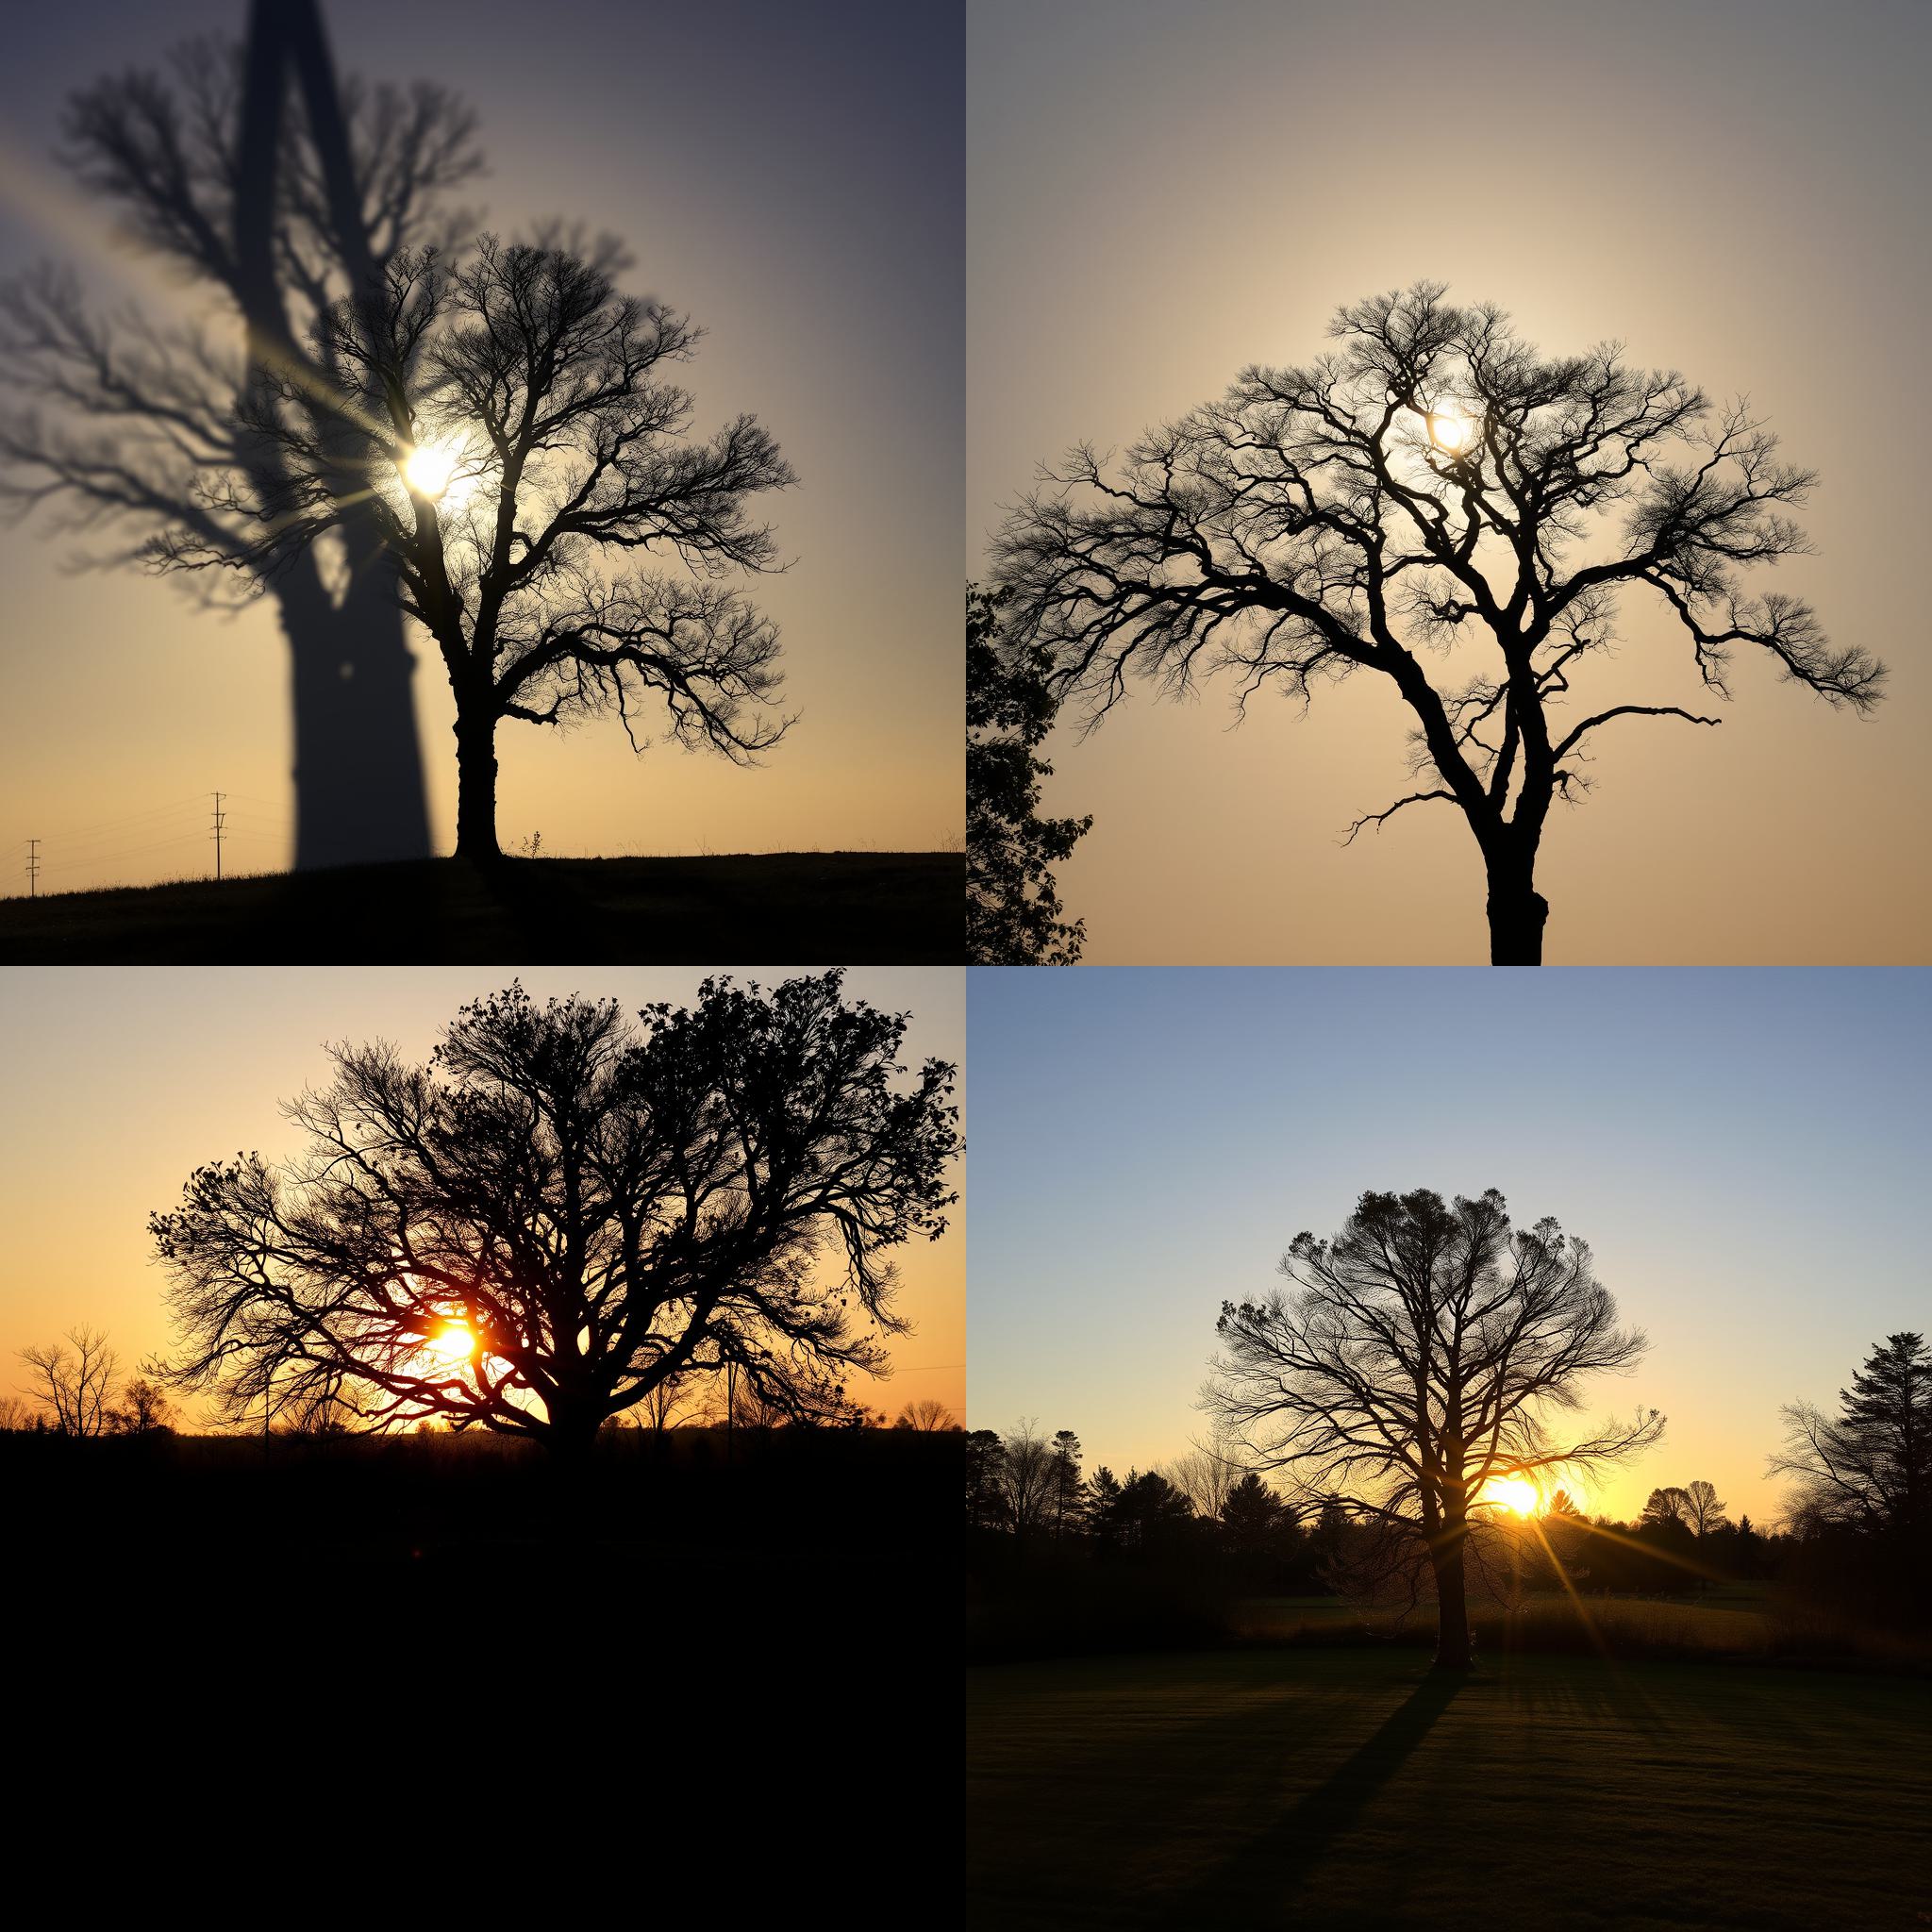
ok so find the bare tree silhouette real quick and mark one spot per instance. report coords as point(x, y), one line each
point(499, 426)
point(753, 1409)
point(1208, 1473)
point(1416, 1359)
point(1028, 1479)
point(74, 1381)
point(1701, 1509)
point(1870, 1466)
point(557, 1216)
point(926, 1415)
point(143, 1410)
point(663, 1402)
point(279, 206)
point(1664, 1508)
point(1433, 480)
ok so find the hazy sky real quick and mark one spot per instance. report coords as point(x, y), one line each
point(1746, 1151)
point(119, 1082)
point(793, 177)
point(1160, 195)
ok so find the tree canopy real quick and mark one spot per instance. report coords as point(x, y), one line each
point(506, 420)
point(1417, 1357)
point(1434, 487)
point(561, 1213)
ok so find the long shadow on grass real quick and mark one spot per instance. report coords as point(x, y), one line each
point(1269, 1869)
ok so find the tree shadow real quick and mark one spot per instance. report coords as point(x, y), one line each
point(1270, 1867)
point(259, 178)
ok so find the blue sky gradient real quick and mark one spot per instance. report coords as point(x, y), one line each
point(1745, 1151)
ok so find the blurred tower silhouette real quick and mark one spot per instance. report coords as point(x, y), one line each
point(259, 197)
point(357, 771)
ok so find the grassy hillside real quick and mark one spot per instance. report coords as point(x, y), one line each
point(803, 909)
point(1344, 1788)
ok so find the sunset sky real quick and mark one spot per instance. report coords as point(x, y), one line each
point(1158, 196)
point(1744, 1151)
point(792, 178)
point(121, 1083)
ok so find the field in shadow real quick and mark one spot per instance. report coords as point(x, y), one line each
point(1747, 1622)
point(807, 908)
point(1046, 1611)
point(1344, 1788)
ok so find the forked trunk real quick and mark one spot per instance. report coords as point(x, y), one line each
point(476, 789)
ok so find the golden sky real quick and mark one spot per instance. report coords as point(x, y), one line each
point(1158, 196)
point(795, 184)
point(122, 1081)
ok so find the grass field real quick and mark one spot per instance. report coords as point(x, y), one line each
point(1730, 1619)
point(804, 908)
point(1332, 1787)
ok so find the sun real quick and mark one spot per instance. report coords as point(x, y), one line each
point(1513, 1492)
point(1450, 428)
point(430, 470)
point(452, 1342)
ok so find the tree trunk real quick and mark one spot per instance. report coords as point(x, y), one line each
point(476, 788)
point(570, 1478)
point(359, 768)
point(572, 1441)
point(1516, 912)
point(1452, 1605)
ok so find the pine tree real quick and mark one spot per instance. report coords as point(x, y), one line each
point(1013, 903)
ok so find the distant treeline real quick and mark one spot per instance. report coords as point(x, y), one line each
point(1202, 1509)
point(1062, 1560)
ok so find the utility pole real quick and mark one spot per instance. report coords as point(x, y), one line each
point(33, 868)
point(221, 818)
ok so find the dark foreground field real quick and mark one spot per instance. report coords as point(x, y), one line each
point(1327, 1788)
point(694, 1664)
point(804, 908)
point(693, 1530)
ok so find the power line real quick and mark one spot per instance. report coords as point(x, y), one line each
point(90, 860)
point(109, 846)
point(122, 820)
point(99, 853)
point(109, 843)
